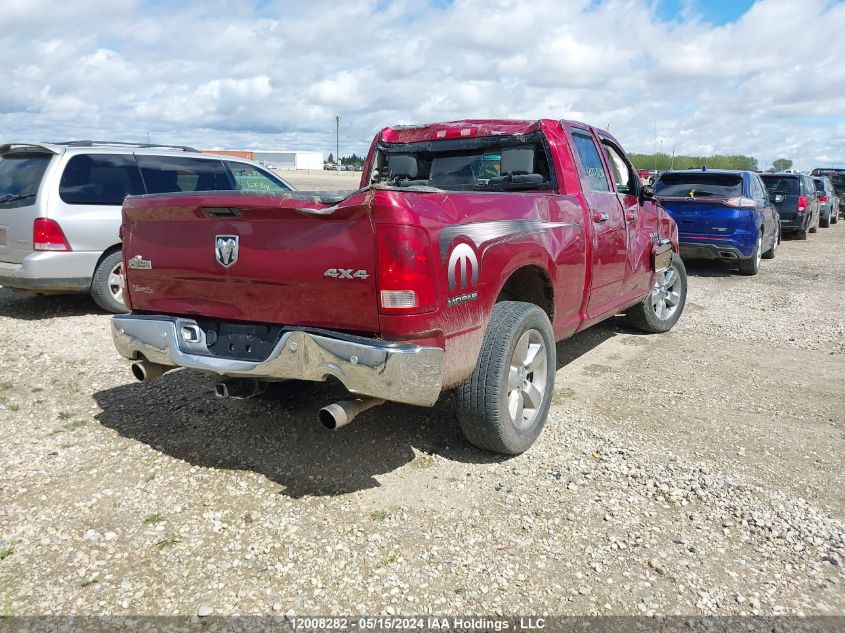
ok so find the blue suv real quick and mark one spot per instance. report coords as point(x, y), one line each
point(721, 214)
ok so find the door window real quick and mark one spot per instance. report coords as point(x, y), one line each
point(100, 179)
point(590, 161)
point(623, 174)
point(250, 178)
point(170, 174)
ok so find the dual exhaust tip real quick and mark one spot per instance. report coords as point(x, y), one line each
point(332, 417)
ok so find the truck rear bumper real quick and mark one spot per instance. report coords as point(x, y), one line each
point(393, 371)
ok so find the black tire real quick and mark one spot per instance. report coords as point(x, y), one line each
point(484, 399)
point(644, 315)
point(825, 222)
point(834, 219)
point(103, 284)
point(751, 265)
point(801, 234)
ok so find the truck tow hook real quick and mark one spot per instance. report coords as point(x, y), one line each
point(240, 388)
point(342, 413)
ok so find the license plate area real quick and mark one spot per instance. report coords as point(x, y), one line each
point(240, 341)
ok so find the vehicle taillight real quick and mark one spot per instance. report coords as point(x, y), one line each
point(740, 202)
point(822, 198)
point(47, 236)
point(405, 276)
point(802, 203)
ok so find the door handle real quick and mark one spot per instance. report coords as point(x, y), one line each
point(598, 218)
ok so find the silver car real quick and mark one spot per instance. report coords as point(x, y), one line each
point(60, 207)
point(828, 201)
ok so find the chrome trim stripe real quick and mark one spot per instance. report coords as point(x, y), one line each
point(401, 373)
point(482, 232)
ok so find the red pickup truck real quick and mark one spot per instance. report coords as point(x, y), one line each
point(470, 248)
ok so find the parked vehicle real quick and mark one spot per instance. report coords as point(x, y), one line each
point(725, 215)
point(794, 196)
point(837, 179)
point(828, 201)
point(470, 248)
point(60, 207)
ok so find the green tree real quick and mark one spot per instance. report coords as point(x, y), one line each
point(330, 159)
point(781, 164)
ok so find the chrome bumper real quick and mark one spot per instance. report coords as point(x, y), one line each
point(393, 371)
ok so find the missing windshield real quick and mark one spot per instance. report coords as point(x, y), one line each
point(488, 164)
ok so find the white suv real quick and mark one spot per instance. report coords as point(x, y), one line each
point(60, 207)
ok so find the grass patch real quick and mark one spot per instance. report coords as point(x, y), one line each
point(72, 426)
point(65, 445)
point(14, 407)
point(378, 515)
point(7, 613)
point(7, 550)
point(167, 540)
point(65, 415)
point(37, 389)
point(388, 561)
point(150, 477)
point(153, 519)
point(89, 581)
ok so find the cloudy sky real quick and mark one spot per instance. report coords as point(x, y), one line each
point(764, 78)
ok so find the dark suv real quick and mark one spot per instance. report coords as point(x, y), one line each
point(795, 197)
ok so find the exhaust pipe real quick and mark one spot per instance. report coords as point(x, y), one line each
point(239, 388)
point(145, 371)
point(342, 413)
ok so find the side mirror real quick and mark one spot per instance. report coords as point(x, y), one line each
point(646, 193)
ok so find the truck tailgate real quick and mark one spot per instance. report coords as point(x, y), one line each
point(257, 259)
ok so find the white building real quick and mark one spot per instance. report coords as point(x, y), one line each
point(281, 159)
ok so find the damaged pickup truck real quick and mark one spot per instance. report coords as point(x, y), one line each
point(469, 250)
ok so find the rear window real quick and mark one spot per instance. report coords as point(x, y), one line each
point(499, 166)
point(100, 179)
point(20, 177)
point(703, 185)
point(170, 174)
point(819, 184)
point(784, 185)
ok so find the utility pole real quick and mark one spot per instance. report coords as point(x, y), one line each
point(337, 142)
point(672, 164)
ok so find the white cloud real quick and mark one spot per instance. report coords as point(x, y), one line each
point(231, 73)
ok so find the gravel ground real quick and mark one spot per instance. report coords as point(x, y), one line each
point(697, 472)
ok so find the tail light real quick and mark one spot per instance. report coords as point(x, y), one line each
point(47, 236)
point(802, 203)
point(822, 198)
point(740, 202)
point(405, 276)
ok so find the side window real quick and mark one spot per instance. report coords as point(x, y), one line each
point(170, 174)
point(100, 179)
point(623, 175)
point(590, 161)
point(250, 178)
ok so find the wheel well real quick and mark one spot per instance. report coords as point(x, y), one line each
point(107, 252)
point(530, 284)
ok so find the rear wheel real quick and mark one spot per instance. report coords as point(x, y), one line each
point(751, 265)
point(504, 403)
point(107, 285)
point(662, 308)
point(825, 221)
